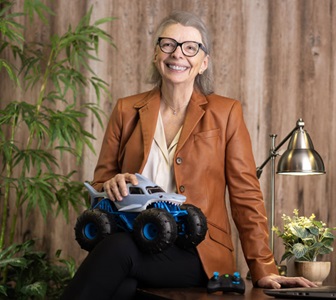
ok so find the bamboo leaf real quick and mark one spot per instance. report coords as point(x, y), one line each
point(97, 111)
point(104, 20)
point(10, 69)
point(32, 7)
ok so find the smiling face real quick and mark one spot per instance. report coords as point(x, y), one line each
point(176, 68)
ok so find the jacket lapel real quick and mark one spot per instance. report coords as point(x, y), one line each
point(149, 110)
point(193, 116)
point(148, 113)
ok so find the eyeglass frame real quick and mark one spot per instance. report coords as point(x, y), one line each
point(200, 46)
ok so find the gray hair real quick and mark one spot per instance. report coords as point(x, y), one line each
point(203, 81)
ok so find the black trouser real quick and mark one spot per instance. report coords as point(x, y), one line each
point(116, 267)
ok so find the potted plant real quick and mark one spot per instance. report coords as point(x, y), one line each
point(305, 239)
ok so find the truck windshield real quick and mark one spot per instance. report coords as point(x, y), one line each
point(154, 189)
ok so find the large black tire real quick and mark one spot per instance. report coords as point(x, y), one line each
point(154, 230)
point(193, 227)
point(92, 226)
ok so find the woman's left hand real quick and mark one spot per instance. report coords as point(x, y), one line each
point(274, 281)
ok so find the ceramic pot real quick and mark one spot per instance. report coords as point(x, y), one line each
point(315, 271)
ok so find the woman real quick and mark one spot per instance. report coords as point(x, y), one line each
point(187, 140)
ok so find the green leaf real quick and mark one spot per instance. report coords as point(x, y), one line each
point(13, 249)
point(299, 250)
point(8, 150)
point(313, 230)
point(9, 29)
point(325, 249)
point(71, 193)
point(299, 231)
point(36, 158)
point(38, 289)
point(58, 253)
point(104, 20)
point(328, 235)
point(96, 110)
point(3, 290)
point(15, 262)
point(41, 192)
point(286, 255)
point(11, 71)
point(32, 7)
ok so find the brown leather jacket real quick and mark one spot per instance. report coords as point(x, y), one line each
point(214, 152)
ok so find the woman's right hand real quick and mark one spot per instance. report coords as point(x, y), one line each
point(116, 186)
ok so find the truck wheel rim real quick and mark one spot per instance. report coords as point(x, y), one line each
point(150, 231)
point(90, 231)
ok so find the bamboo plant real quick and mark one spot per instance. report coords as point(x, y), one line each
point(53, 121)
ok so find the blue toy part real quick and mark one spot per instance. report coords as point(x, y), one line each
point(90, 230)
point(150, 231)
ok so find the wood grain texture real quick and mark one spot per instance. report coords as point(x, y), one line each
point(277, 57)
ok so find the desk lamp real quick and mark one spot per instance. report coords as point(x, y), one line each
point(299, 159)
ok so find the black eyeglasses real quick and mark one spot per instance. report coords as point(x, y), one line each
point(189, 48)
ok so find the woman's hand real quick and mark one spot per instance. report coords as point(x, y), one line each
point(274, 281)
point(116, 187)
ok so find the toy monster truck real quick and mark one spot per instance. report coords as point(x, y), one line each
point(155, 218)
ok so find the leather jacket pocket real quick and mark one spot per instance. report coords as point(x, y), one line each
point(207, 134)
point(220, 236)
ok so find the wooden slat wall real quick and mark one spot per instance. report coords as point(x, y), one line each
point(276, 56)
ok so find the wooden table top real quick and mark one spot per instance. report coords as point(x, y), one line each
point(201, 294)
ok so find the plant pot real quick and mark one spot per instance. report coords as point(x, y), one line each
point(315, 271)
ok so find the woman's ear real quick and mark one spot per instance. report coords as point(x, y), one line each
point(205, 64)
point(155, 54)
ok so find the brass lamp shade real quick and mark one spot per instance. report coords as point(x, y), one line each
point(300, 158)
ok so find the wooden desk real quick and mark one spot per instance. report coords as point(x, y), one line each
point(201, 294)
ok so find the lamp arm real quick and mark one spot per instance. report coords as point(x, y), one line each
point(273, 152)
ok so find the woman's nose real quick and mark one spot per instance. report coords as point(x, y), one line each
point(178, 51)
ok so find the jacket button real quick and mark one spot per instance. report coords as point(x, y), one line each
point(182, 188)
point(179, 160)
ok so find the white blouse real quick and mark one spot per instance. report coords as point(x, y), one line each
point(159, 166)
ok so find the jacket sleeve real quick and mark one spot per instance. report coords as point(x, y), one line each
point(247, 205)
point(107, 165)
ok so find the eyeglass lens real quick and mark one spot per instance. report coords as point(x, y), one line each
point(168, 46)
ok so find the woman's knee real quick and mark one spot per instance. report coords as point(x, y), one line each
point(120, 244)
